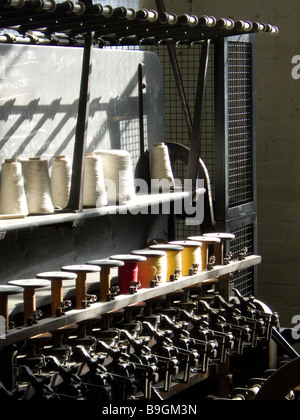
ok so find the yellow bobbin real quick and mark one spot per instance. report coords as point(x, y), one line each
point(174, 259)
point(206, 241)
point(191, 255)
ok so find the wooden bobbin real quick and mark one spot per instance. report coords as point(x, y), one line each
point(128, 259)
point(105, 276)
point(220, 247)
point(56, 278)
point(29, 300)
point(81, 281)
point(5, 291)
point(206, 242)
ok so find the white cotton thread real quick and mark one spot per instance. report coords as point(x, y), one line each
point(161, 169)
point(61, 181)
point(118, 175)
point(37, 186)
point(13, 198)
point(94, 192)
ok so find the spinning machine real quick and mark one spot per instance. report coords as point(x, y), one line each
point(133, 313)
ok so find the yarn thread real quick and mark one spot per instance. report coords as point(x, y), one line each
point(94, 192)
point(174, 258)
point(154, 267)
point(205, 252)
point(61, 181)
point(128, 273)
point(161, 169)
point(191, 255)
point(37, 186)
point(118, 176)
point(13, 198)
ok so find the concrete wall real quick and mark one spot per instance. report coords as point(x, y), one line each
point(278, 142)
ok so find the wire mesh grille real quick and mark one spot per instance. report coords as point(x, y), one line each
point(188, 58)
point(244, 238)
point(240, 123)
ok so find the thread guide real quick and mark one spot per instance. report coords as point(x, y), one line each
point(121, 301)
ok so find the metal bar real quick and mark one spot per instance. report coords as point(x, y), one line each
point(177, 74)
point(76, 192)
point(195, 149)
point(281, 341)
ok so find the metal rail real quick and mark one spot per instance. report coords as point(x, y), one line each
point(119, 25)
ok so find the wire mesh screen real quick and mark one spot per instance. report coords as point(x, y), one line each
point(244, 238)
point(188, 58)
point(240, 123)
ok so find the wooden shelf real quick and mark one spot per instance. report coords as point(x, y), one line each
point(140, 204)
point(121, 301)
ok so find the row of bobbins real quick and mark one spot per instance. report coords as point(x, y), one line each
point(140, 269)
point(28, 188)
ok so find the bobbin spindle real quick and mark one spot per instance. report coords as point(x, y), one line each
point(154, 269)
point(174, 259)
point(81, 281)
point(56, 278)
point(5, 291)
point(128, 274)
point(106, 265)
point(220, 247)
point(29, 299)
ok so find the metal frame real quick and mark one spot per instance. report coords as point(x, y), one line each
point(222, 209)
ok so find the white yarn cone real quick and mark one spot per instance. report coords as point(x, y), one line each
point(118, 175)
point(94, 192)
point(61, 181)
point(37, 186)
point(160, 164)
point(13, 198)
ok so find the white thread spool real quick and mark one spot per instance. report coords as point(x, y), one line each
point(61, 181)
point(161, 166)
point(94, 193)
point(37, 186)
point(13, 197)
point(118, 175)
